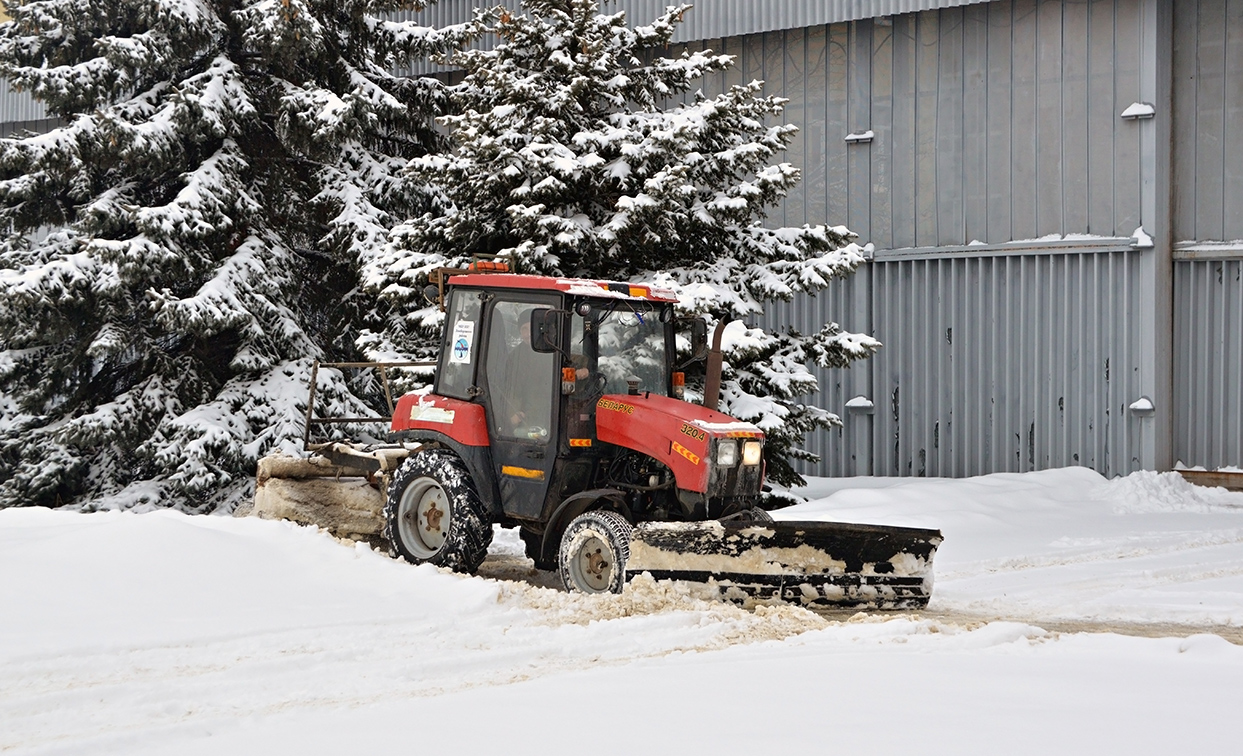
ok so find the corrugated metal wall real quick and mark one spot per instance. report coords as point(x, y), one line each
point(1000, 363)
point(992, 122)
point(1208, 362)
point(1208, 207)
point(1208, 120)
point(18, 106)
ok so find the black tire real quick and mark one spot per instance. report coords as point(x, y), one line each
point(760, 515)
point(433, 513)
point(593, 553)
point(754, 514)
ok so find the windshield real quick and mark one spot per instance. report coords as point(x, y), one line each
point(632, 345)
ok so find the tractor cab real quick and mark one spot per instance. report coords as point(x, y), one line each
point(573, 388)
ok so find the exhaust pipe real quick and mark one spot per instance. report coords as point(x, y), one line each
point(712, 381)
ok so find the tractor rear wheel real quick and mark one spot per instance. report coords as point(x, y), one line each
point(593, 554)
point(433, 513)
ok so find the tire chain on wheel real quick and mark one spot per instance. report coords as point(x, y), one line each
point(609, 527)
point(470, 529)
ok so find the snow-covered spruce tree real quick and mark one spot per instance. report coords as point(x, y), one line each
point(571, 157)
point(188, 239)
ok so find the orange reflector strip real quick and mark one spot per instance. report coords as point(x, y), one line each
point(638, 291)
point(744, 434)
point(522, 472)
point(680, 449)
point(679, 379)
point(580, 442)
point(567, 374)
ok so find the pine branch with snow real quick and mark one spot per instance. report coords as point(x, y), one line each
point(189, 237)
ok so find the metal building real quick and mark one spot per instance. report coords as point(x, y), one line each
point(1054, 194)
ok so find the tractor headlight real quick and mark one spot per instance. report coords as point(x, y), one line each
point(727, 453)
point(751, 451)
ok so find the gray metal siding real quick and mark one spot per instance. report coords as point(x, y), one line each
point(1208, 362)
point(1012, 362)
point(992, 122)
point(18, 106)
point(1208, 120)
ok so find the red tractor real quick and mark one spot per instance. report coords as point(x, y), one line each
point(557, 408)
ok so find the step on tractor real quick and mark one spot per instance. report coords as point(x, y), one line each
point(557, 407)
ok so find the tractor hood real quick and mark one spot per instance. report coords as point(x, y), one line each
point(681, 435)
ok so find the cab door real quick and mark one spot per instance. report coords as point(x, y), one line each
point(523, 392)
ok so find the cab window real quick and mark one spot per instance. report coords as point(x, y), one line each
point(457, 363)
point(632, 345)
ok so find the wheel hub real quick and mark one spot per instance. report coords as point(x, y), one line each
point(433, 516)
point(594, 567)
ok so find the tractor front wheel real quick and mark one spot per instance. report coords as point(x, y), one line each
point(433, 513)
point(593, 554)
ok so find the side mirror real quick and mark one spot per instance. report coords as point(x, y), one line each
point(698, 333)
point(546, 329)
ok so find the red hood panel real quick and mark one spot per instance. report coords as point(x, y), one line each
point(675, 432)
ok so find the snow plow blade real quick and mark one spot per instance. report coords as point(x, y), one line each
point(823, 564)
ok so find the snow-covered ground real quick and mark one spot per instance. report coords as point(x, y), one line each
point(163, 633)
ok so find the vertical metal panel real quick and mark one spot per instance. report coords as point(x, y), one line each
point(859, 118)
point(1208, 362)
point(1128, 25)
point(794, 74)
point(881, 150)
point(926, 91)
point(733, 77)
point(1102, 119)
point(1183, 203)
point(1232, 138)
point(903, 144)
point(1074, 143)
point(1049, 112)
point(837, 114)
point(1000, 97)
point(1208, 120)
point(949, 145)
point(975, 123)
point(1005, 363)
point(1023, 107)
point(1210, 98)
point(814, 135)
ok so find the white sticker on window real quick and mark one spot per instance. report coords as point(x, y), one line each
point(459, 346)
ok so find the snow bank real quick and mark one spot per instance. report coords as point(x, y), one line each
point(167, 633)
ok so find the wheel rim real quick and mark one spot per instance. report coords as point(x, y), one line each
point(423, 518)
point(592, 565)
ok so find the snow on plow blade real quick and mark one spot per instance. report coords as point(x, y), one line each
point(807, 563)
